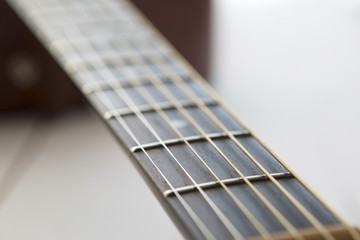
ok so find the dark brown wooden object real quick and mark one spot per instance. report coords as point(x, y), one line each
point(31, 79)
point(157, 106)
point(186, 24)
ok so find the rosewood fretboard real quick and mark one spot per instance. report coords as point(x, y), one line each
point(216, 180)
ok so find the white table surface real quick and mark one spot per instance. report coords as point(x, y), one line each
point(290, 69)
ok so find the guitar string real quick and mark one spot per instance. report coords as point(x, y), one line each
point(193, 215)
point(282, 219)
point(302, 209)
point(197, 78)
point(351, 230)
point(316, 223)
point(195, 218)
point(154, 132)
point(131, 105)
point(286, 224)
point(261, 230)
point(127, 99)
point(148, 97)
point(259, 227)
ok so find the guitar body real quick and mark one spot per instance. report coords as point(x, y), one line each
point(44, 84)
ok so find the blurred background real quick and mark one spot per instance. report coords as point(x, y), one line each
point(289, 69)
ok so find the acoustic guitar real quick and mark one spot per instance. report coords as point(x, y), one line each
point(213, 176)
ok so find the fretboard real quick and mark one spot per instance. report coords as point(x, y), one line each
point(212, 175)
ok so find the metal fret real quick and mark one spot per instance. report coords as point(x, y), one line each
point(228, 181)
point(284, 221)
point(150, 108)
point(82, 52)
point(203, 228)
point(59, 44)
point(289, 226)
point(224, 219)
point(80, 63)
point(64, 23)
point(291, 229)
point(188, 139)
point(93, 87)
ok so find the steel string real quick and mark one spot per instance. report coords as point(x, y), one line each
point(124, 95)
point(317, 224)
point(292, 230)
point(198, 222)
point(158, 109)
point(288, 226)
point(233, 137)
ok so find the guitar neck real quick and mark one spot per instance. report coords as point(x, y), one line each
point(213, 176)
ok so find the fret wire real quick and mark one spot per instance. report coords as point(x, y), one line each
point(261, 229)
point(227, 223)
point(134, 86)
point(91, 87)
point(199, 223)
point(291, 229)
point(53, 43)
point(317, 224)
point(198, 129)
point(63, 24)
point(79, 65)
point(355, 234)
point(199, 79)
point(189, 139)
point(158, 109)
point(236, 118)
point(125, 96)
point(288, 226)
point(256, 224)
point(228, 181)
point(304, 211)
point(150, 108)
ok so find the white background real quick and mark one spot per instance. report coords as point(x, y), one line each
point(290, 70)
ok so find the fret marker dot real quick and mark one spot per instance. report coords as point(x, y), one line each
point(179, 123)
